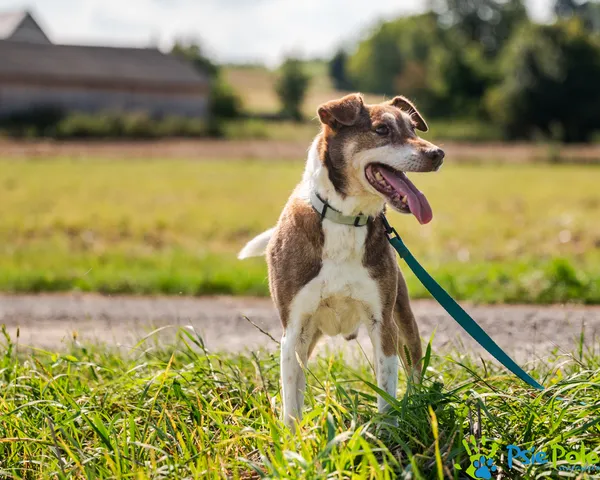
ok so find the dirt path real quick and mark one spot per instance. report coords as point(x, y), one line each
point(49, 321)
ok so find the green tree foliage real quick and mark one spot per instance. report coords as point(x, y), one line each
point(551, 75)
point(393, 49)
point(487, 22)
point(291, 88)
point(438, 68)
point(588, 12)
point(223, 101)
point(193, 53)
point(457, 77)
point(338, 70)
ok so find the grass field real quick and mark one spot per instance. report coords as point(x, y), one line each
point(514, 233)
point(183, 412)
point(256, 88)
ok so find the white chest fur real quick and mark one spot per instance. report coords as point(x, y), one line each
point(343, 295)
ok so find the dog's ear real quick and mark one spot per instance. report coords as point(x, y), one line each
point(407, 106)
point(344, 111)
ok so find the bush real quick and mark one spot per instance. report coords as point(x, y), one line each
point(37, 121)
point(248, 129)
point(550, 86)
point(291, 88)
point(338, 71)
point(223, 101)
point(138, 125)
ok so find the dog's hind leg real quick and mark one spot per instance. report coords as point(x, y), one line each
point(313, 341)
point(308, 341)
point(409, 341)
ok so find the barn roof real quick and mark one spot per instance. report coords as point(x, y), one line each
point(95, 65)
point(10, 21)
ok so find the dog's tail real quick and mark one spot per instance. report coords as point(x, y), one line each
point(257, 246)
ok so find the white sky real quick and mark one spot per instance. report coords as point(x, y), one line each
point(231, 30)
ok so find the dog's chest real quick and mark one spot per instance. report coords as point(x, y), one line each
point(348, 295)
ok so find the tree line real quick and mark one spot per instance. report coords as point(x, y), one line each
point(486, 59)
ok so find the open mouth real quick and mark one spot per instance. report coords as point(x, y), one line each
point(399, 191)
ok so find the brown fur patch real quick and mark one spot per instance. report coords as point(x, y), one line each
point(405, 104)
point(380, 260)
point(343, 111)
point(399, 329)
point(408, 339)
point(294, 254)
point(359, 132)
point(336, 171)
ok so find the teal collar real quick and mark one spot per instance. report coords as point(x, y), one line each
point(327, 211)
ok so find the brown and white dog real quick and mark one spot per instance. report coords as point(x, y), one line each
point(331, 267)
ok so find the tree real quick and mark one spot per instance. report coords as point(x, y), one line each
point(192, 52)
point(487, 22)
point(291, 88)
point(567, 8)
point(588, 12)
point(439, 69)
point(223, 100)
point(551, 78)
point(395, 48)
point(338, 71)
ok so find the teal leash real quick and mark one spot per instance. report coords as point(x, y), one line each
point(454, 309)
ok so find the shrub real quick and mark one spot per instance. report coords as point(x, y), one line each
point(551, 77)
point(223, 101)
point(291, 88)
point(338, 71)
point(34, 122)
point(138, 125)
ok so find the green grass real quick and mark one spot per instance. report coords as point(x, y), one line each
point(516, 233)
point(280, 130)
point(462, 130)
point(180, 411)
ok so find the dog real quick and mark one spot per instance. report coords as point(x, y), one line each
point(331, 267)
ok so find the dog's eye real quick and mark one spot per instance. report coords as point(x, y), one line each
point(382, 130)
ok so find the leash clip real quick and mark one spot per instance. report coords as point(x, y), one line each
point(389, 230)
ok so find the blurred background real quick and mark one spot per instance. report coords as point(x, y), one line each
point(142, 143)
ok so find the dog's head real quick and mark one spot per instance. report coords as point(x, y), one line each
point(367, 148)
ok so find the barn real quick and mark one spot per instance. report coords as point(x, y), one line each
point(36, 73)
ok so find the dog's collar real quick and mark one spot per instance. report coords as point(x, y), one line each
point(327, 211)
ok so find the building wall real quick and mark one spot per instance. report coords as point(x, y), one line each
point(15, 97)
point(30, 32)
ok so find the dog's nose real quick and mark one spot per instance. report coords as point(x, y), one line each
point(436, 155)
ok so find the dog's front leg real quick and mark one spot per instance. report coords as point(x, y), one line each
point(293, 381)
point(385, 359)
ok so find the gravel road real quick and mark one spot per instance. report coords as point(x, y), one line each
point(50, 322)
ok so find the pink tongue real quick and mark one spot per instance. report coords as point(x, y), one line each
point(419, 206)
